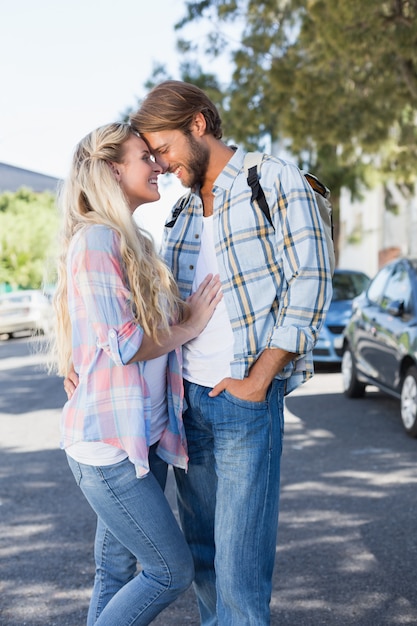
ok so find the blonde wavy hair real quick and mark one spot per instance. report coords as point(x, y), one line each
point(91, 195)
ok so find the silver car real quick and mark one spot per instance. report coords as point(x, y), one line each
point(29, 311)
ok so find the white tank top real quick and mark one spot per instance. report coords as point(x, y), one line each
point(207, 357)
point(99, 453)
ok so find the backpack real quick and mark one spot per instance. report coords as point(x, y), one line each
point(253, 161)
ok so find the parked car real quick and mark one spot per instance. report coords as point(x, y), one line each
point(380, 346)
point(347, 284)
point(29, 310)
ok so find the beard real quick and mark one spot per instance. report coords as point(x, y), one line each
point(197, 163)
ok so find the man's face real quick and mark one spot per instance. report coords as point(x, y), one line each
point(185, 156)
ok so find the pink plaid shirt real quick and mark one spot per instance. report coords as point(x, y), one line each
point(112, 403)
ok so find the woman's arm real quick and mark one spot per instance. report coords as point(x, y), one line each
point(202, 304)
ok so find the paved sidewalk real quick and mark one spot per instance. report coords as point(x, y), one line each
point(347, 549)
point(47, 527)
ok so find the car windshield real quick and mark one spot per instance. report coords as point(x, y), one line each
point(347, 286)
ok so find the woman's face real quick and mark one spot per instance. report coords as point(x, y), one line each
point(138, 173)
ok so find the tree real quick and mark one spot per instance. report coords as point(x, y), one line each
point(28, 228)
point(334, 83)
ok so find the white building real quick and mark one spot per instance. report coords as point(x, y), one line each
point(370, 235)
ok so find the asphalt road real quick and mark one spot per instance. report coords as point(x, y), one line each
point(347, 547)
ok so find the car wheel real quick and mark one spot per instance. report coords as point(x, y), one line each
point(409, 402)
point(352, 387)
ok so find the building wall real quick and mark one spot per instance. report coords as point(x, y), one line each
point(370, 236)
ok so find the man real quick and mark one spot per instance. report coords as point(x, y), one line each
point(257, 347)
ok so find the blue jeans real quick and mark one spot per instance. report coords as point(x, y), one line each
point(135, 524)
point(228, 502)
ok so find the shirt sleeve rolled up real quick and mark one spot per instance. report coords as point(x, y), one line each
point(306, 290)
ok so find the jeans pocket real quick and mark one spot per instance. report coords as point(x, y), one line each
point(243, 403)
point(75, 469)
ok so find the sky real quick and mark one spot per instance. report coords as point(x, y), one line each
point(68, 66)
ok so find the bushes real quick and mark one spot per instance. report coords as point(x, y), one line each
point(28, 232)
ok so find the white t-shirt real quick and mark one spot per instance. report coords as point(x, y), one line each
point(99, 453)
point(207, 357)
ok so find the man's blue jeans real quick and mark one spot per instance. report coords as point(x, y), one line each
point(229, 501)
point(135, 524)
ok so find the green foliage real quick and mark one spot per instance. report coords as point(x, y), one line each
point(333, 83)
point(28, 229)
point(327, 79)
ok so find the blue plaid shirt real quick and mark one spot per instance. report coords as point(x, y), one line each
point(276, 281)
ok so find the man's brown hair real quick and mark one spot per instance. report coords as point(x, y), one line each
point(172, 105)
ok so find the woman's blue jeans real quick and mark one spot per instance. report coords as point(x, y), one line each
point(135, 524)
point(228, 502)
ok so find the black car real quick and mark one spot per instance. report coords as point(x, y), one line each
point(380, 339)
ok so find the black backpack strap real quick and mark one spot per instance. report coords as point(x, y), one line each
point(255, 185)
point(178, 210)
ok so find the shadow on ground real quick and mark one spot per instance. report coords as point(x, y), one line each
point(346, 552)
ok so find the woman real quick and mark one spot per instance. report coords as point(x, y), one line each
point(121, 323)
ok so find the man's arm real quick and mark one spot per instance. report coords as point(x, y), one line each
point(255, 386)
point(305, 301)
